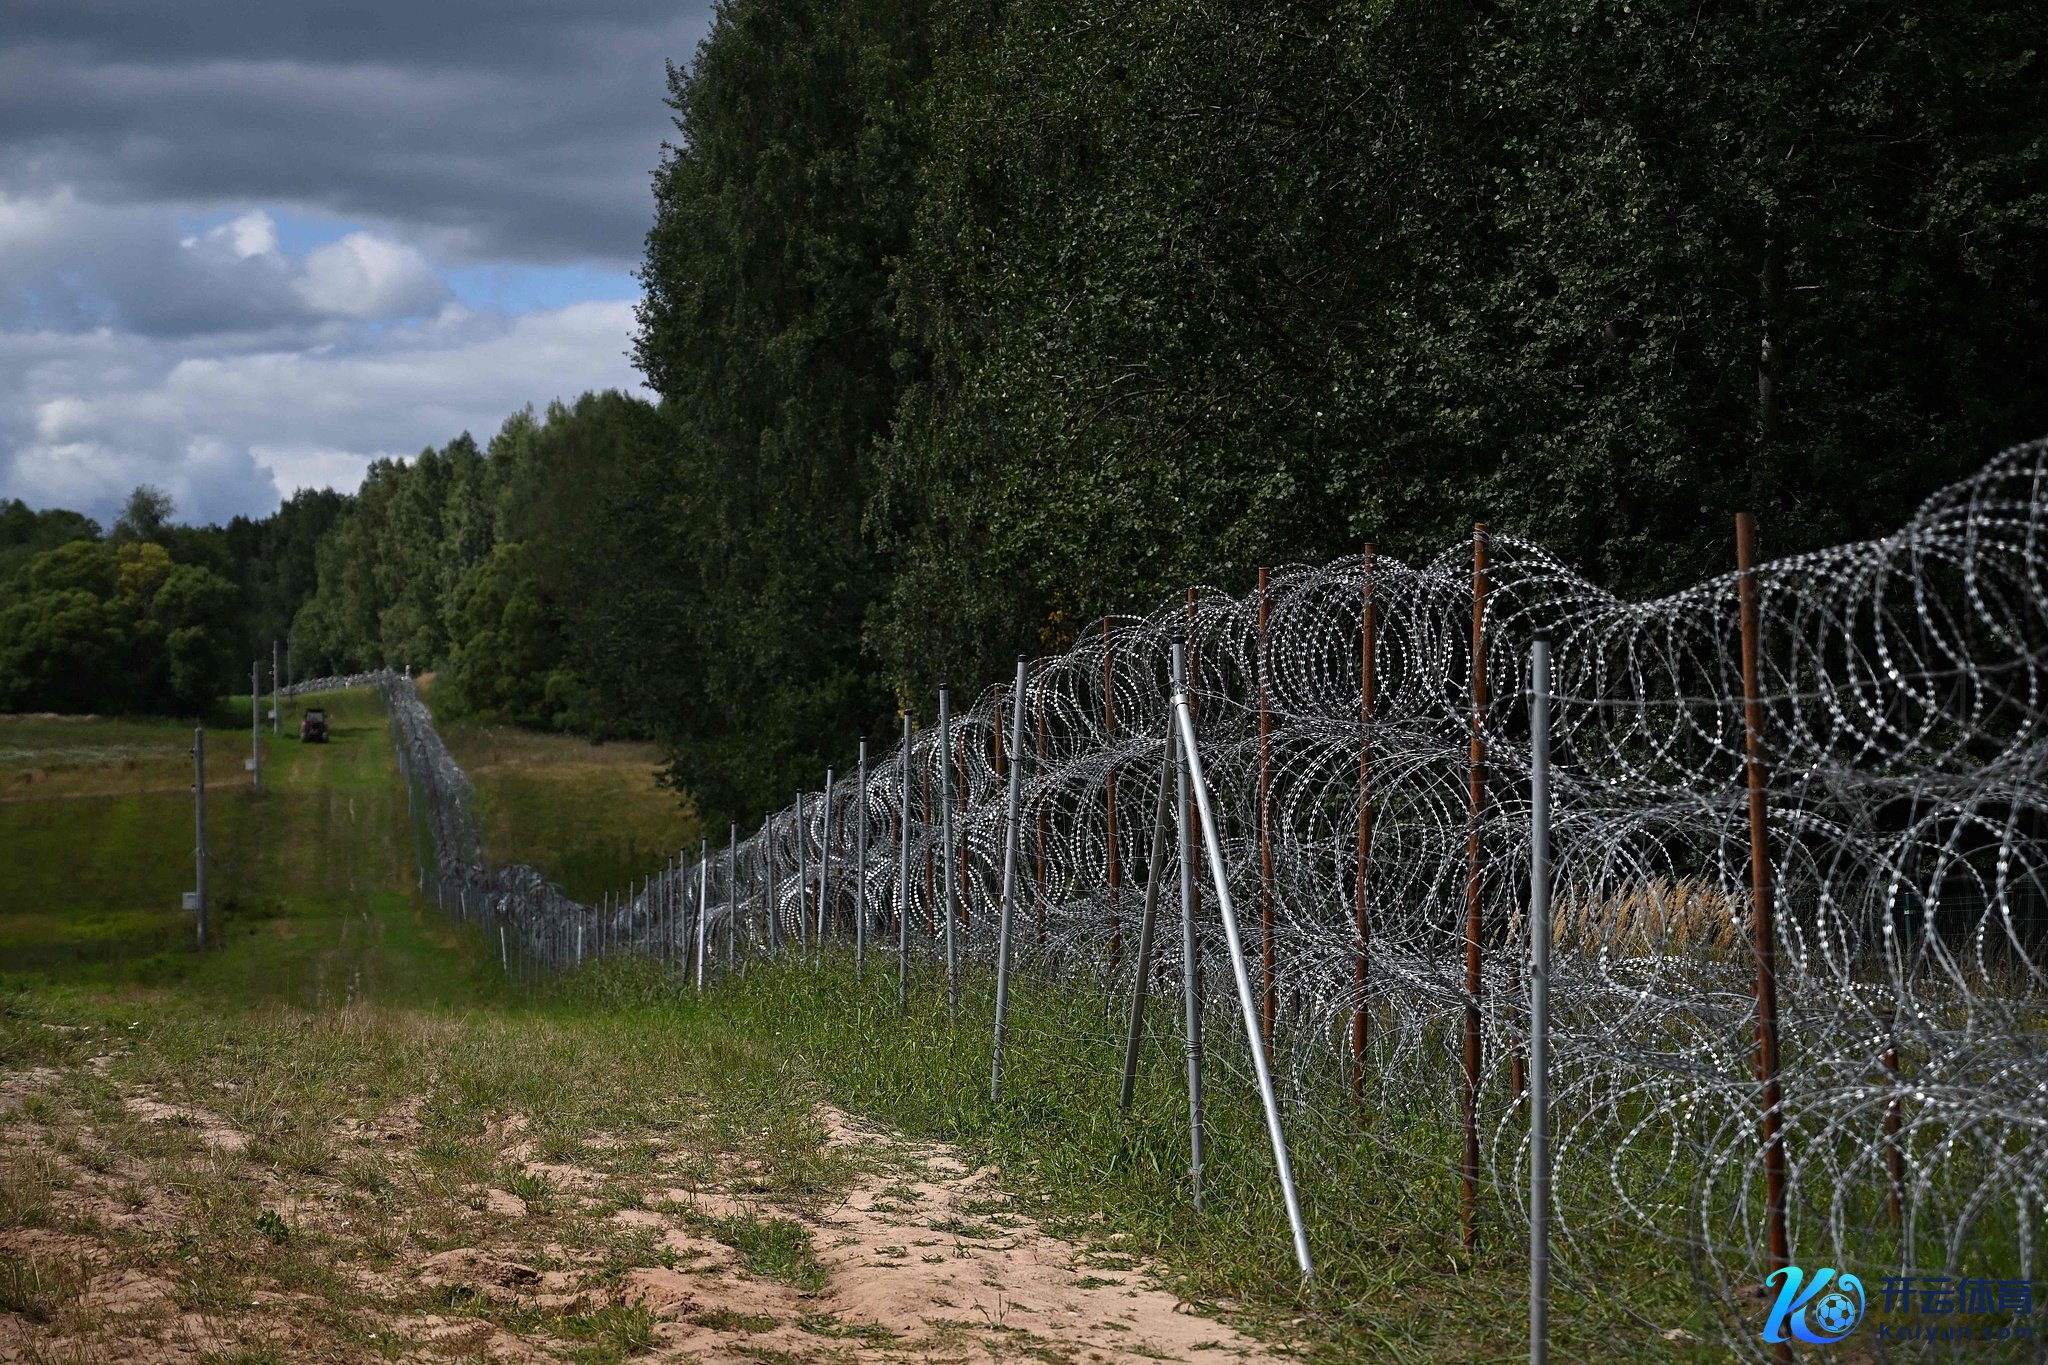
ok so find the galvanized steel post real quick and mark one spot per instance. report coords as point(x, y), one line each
point(1012, 814)
point(860, 863)
point(1539, 1000)
point(903, 884)
point(1148, 919)
point(1361, 911)
point(256, 724)
point(824, 860)
point(1190, 944)
point(946, 851)
point(1475, 798)
point(199, 828)
point(1227, 911)
point(1269, 949)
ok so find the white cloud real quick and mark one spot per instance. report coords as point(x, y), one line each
point(67, 263)
point(362, 276)
point(85, 416)
point(252, 234)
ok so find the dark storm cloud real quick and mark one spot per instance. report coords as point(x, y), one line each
point(520, 130)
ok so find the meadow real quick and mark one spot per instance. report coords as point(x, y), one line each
point(338, 1134)
point(588, 815)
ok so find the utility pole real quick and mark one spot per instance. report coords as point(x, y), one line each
point(199, 827)
point(276, 696)
point(256, 722)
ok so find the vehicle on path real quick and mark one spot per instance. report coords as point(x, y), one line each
point(313, 726)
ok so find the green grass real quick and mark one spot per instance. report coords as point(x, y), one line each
point(1394, 1281)
point(589, 816)
point(335, 991)
point(334, 994)
point(308, 880)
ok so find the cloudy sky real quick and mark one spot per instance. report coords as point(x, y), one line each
point(247, 247)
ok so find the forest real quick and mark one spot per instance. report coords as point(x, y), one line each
point(971, 321)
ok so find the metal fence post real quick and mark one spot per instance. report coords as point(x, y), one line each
point(1007, 910)
point(256, 724)
point(1114, 866)
point(946, 851)
point(1765, 927)
point(824, 860)
point(903, 884)
point(703, 903)
point(1539, 999)
point(1269, 945)
point(1148, 919)
point(1475, 865)
point(860, 863)
point(199, 828)
point(1190, 945)
point(1227, 910)
point(1361, 910)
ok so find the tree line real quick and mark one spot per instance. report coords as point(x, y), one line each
point(147, 616)
point(972, 321)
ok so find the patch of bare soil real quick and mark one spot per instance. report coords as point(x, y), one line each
point(153, 1231)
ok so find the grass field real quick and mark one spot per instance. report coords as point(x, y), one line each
point(589, 816)
point(307, 879)
point(339, 1136)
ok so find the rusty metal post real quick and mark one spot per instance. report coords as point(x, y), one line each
point(1269, 999)
point(1361, 910)
point(1116, 925)
point(1894, 1157)
point(1475, 866)
point(1038, 882)
point(1762, 918)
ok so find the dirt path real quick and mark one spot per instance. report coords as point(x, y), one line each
point(930, 1253)
point(134, 1228)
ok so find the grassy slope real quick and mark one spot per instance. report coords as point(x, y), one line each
point(589, 816)
point(307, 879)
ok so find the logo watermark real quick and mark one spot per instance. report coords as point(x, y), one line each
point(1828, 1309)
point(1829, 1305)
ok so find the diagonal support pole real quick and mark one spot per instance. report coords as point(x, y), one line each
point(1010, 833)
point(1247, 1003)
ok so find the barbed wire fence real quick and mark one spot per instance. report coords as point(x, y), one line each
point(1364, 745)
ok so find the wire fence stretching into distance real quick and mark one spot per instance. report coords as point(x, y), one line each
point(1363, 730)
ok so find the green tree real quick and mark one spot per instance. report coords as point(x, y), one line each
point(145, 515)
point(768, 330)
point(115, 627)
point(1208, 286)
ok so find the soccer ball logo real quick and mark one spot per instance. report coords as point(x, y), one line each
point(1836, 1314)
point(1830, 1307)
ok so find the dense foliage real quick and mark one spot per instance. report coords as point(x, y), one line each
point(1210, 286)
point(974, 320)
point(509, 566)
point(111, 625)
point(768, 327)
